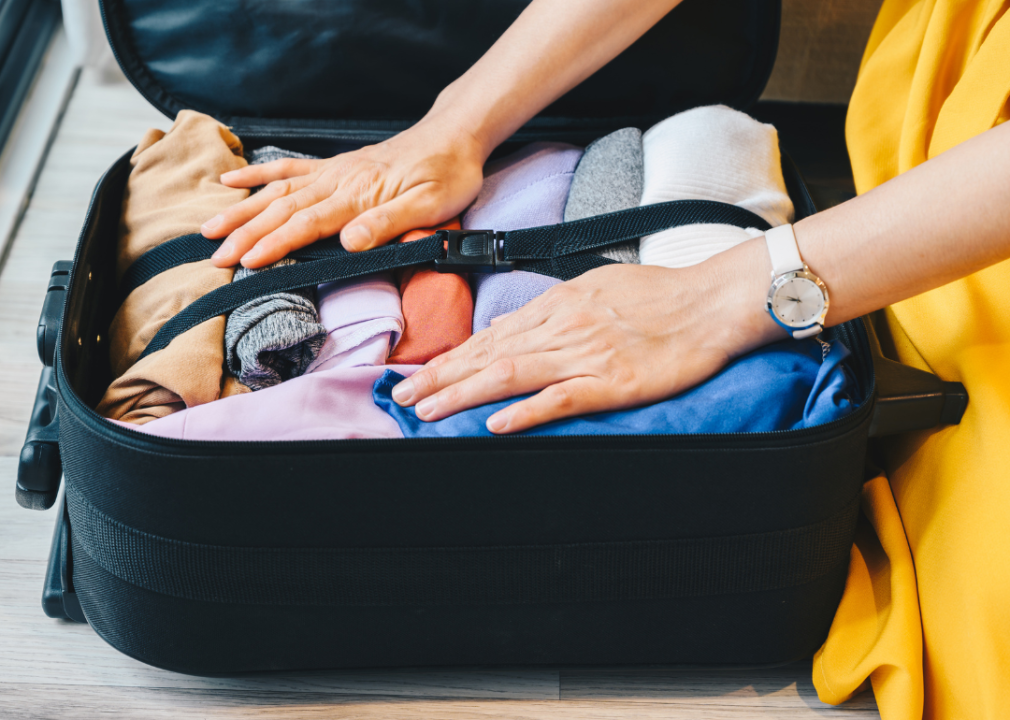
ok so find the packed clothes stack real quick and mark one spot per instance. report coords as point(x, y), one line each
point(320, 363)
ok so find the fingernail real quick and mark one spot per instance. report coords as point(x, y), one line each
point(251, 256)
point(213, 223)
point(356, 238)
point(223, 250)
point(403, 392)
point(232, 173)
point(426, 407)
point(497, 422)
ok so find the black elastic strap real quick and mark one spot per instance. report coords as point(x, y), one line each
point(560, 251)
point(179, 251)
point(193, 248)
point(497, 575)
point(291, 277)
point(555, 241)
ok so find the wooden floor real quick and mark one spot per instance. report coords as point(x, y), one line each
point(60, 670)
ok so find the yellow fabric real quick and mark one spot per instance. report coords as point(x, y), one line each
point(876, 632)
point(935, 73)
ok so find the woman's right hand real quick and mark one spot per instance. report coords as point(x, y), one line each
point(419, 178)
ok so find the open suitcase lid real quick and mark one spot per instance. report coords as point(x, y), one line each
point(345, 67)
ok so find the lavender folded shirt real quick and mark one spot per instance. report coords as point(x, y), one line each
point(333, 400)
point(526, 189)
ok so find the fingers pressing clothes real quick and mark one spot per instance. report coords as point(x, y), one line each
point(785, 386)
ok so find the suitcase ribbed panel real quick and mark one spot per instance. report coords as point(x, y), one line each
point(509, 575)
point(775, 626)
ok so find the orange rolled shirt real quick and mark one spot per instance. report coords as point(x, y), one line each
point(437, 309)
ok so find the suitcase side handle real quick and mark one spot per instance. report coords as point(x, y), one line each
point(40, 467)
point(910, 399)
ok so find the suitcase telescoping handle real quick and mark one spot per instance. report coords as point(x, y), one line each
point(40, 468)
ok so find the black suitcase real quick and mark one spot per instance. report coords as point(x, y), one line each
point(211, 557)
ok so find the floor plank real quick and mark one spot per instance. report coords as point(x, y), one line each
point(783, 690)
point(62, 703)
point(55, 669)
point(102, 122)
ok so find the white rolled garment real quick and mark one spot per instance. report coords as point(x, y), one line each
point(711, 153)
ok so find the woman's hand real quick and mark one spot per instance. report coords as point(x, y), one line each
point(419, 178)
point(617, 337)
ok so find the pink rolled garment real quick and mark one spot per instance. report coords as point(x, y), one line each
point(363, 319)
point(331, 404)
point(333, 400)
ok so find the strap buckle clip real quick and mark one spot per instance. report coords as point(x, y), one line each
point(473, 251)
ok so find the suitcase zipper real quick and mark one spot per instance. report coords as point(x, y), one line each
point(859, 347)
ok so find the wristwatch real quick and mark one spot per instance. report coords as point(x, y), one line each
point(797, 299)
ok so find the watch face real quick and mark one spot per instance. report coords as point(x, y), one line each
point(798, 302)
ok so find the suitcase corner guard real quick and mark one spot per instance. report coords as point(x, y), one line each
point(59, 599)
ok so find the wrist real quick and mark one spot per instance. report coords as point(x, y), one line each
point(742, 276)
point(465, 116)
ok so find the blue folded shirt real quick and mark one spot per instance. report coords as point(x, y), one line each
point(784, 386)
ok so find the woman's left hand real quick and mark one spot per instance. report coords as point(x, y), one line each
point(617, 337)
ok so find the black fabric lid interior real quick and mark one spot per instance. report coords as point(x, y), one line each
point(347, 67)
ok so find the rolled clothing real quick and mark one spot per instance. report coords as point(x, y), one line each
point(789, 385)
point(609, 178)
point(173, 188)
point(526, 189)
point(333, 399)
point(334, 404)
point(711, 153)
point(437, 309)
point(363, 321)
point(273, 338)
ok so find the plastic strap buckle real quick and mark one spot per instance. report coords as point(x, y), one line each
point(473, 251)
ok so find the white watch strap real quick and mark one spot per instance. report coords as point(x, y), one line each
point(784, 251)
point(807, 332)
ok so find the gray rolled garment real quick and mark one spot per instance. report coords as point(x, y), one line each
point(276, 337)
point(608, 178)
point(273, 338)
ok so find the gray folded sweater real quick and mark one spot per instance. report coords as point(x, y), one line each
point(608, 178)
